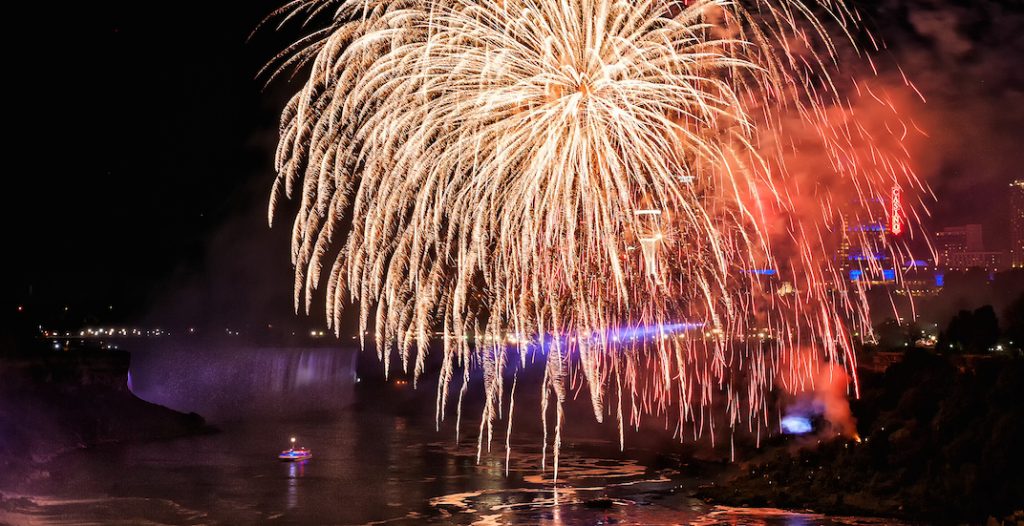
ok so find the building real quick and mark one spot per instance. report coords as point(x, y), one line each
point(650, 235)
point(992, 261)
point(864, 251)
point(1017, 223)
point(959, 239)
point(921, 278)
point(963, 248)
point(879, 361)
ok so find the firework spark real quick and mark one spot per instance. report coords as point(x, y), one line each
point(523, 175)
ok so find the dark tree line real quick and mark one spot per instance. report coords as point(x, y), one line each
point(977, 331)
point(971, 332)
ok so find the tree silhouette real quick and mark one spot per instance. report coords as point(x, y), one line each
point(971, 332)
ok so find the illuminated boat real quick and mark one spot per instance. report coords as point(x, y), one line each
point(295, 454)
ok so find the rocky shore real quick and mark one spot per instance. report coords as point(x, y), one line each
point(940, 443)
point(54, 402)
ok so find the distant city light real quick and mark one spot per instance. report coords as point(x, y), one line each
point(873, 227)
point(762, 272)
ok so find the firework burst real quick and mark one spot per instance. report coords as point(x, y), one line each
point(554, 178)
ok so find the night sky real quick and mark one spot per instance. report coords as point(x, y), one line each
point(143, 149)
point(145, 139)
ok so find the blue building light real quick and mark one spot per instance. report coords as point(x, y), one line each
point(860, 256)
point(871, 227)
point(887, 274)
point(762, 272)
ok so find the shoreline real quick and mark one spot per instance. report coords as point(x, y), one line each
point(940, 444)
point(54, 404)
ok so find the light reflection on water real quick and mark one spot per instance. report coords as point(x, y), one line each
point(295, 471)
point(368, 468)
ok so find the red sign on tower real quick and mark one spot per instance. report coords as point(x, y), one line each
point(896, 221)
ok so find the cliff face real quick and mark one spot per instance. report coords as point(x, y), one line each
point(51, 403)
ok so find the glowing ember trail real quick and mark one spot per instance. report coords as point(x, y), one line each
point(524, 175)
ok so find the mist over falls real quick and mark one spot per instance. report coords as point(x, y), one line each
point(225, 383)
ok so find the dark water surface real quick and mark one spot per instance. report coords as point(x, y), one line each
point(380, 461)
point(369, 468)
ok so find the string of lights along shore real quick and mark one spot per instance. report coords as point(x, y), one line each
point(643, 197)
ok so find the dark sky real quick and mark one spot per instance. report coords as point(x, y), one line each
point(143, 147)
point(141, 139)
point(967, 59)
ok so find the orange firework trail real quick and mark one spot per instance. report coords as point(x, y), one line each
point(509, 172)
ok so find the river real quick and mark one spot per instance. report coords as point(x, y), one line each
point(372, 464)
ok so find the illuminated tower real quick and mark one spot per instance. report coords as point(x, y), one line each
point(650, 236)
point(1017, 223)
point(896, 212)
